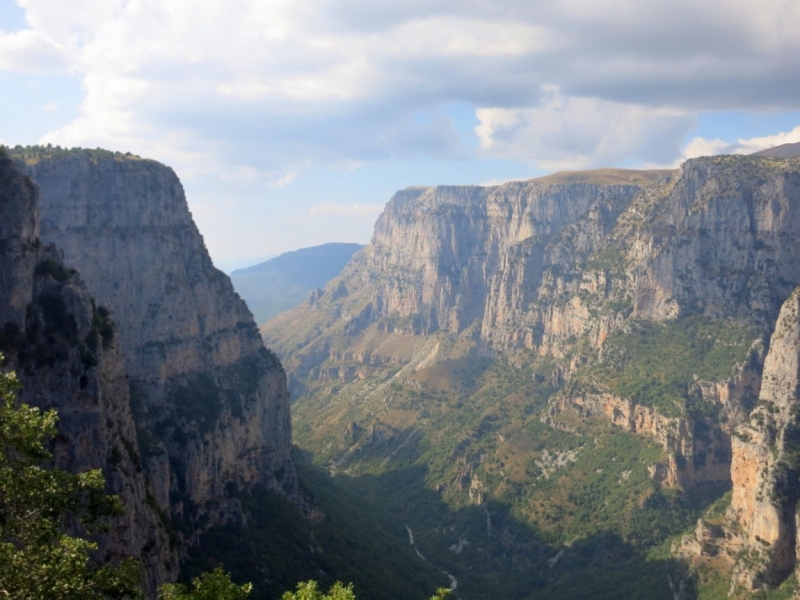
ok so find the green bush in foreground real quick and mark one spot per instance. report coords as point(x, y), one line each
point(309, 590)
point(216, 585)
point(38, 560)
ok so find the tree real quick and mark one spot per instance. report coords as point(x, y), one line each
point(38, 561)
point(309, 590)
point(216, 585)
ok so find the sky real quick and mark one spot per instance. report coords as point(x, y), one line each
point(292, 122)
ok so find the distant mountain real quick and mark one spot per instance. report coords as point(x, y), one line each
point(283, 282)
point(782, 151)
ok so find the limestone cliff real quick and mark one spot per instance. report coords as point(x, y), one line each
point(464, 260)
point(530, 264)
point(65, 350)
point(210, 401)
point(759, 533)
point(557, 265)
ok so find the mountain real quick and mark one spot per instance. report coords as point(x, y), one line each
point(210, 403)
point(544, 378)
point(65, 350)
point(283, 282)
point(782, 151)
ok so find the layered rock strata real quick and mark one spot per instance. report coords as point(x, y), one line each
point(65, 349)
point(210, 401)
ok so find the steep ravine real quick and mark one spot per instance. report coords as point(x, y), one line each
point(210, 402)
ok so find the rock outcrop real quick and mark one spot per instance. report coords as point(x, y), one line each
point(759, 534)
point(65, 349)
point(533, 264)
point(210, 402)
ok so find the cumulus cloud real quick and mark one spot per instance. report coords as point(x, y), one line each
point(267, 84)
point(357, 211)
point(30, 51)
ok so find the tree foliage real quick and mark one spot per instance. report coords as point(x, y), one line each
point(216, 585)
point(309, 590)
point(38, 560)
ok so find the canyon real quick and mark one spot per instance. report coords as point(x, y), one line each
point(549, 382)
point(645, 301)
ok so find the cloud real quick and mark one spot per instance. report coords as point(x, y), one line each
point(568, 132)
point(355, 211)
point(702, 147)
point(268, 84)
point(30, 51)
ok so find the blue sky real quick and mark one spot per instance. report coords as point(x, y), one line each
point(292, 123)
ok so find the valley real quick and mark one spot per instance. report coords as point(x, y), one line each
point(582, 384)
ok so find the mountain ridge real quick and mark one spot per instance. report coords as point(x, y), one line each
point(284, 281)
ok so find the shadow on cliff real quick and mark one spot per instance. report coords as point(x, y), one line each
point(365, 539)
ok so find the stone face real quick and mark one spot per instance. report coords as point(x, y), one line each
point(210, 401)
point(532, 264)
point(766, 462)
point(66, 355)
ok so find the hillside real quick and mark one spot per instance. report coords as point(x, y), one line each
point(782, 151)
point(543, 378)
point(285, 281)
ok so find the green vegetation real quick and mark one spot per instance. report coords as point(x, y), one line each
point(33, 154)
point(309, 590)
point(511, 501)
point(54, 269)
point(215, 585)
point(347, 538)
point(656, 363)
point(37, 559)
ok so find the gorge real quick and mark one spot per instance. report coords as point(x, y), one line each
point(584, 383)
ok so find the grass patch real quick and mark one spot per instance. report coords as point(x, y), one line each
point(656, 363)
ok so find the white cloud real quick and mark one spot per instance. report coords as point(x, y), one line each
point(244, 97)
point(31, 51)
point(357, 211)
point(702, 147)
point(568, 132)
point(268, 84)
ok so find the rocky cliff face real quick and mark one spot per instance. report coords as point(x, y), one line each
point(210, 401)
point(554, 266)
point(65, 350)
point(759, 533)
point(530, 265)
point(469, 261)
